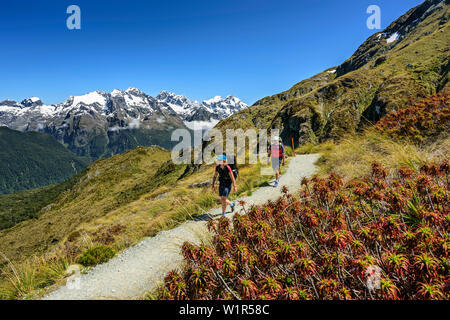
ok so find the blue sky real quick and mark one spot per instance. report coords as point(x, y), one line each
point(247, 48)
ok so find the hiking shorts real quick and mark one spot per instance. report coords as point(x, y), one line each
point(224, 189)
point(276, 163)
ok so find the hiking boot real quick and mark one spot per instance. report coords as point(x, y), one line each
point(276, 183)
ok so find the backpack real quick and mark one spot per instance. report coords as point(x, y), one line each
point(233, 165)
point(277, 150)
point(224, 174)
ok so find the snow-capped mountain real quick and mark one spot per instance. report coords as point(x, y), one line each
point(180, 104)
point(99, 124)
point(224, 108)
point(203, 115)
point(96, 124)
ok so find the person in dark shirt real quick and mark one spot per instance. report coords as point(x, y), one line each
point(226, 182)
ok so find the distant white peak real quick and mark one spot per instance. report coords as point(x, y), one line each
point(165, 94)
point(134, 91)
point(213, 100)
point(33, 101)
point(175, 101)
point(116, 92)
point(89, 98)
point(233, 98)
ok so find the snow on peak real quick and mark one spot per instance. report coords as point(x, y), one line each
point(165, 95)
point(179, 103)
point(133, 105)
point(132, 90)
point(89, 98)
point(30, 102)
point(216, 107)
point(213, 100)
point(393, 37)
point(116, 92)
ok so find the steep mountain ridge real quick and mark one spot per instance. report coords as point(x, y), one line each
point(406, 61)
point(374, 47)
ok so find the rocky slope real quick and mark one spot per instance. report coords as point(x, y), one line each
point(100, 124)
point(406, 61)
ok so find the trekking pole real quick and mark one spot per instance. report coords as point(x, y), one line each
point(293, 149)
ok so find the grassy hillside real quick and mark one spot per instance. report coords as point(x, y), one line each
point(30, 160)
point(414, 135)
point(23, 205)
point(112, 205)
point(261, 114)
point(379, 78)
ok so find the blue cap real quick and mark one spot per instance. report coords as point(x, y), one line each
point(222, 157)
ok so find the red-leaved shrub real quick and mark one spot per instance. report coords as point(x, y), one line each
point(377, 237)
point(429, 117)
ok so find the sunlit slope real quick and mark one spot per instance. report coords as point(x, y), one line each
point(383, 75)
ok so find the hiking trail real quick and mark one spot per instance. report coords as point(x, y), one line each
point(141, 268)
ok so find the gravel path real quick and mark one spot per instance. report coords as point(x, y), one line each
point(139, 269)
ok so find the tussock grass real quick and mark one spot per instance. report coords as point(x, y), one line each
point(353, 156)
point(310, 148)
point(24, 280)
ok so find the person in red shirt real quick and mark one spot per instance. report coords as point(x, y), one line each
point(276, 153)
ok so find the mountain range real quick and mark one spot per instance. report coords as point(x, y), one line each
point(100, 124)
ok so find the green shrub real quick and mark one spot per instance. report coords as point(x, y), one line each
point(96, 255)
point(288, 151)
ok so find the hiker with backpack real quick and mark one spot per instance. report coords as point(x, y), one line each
point(227, 180)
point(276, 153)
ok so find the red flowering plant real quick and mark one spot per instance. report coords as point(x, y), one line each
point(429, 117)
point(377, 237)
point(381, 236)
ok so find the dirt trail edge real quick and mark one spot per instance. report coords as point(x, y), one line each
point(141, 268)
